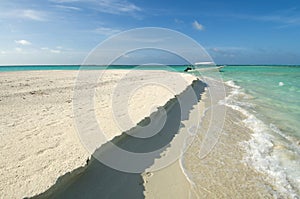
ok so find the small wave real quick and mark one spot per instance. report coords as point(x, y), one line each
point(261, 146)
point(292, 140)
point(280, 84)
point(235, 97)
point(232, 84)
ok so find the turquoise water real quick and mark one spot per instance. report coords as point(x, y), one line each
point(269, 97)
point(77, 67)
point(275, 91)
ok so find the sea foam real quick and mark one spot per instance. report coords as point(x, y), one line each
point(261, 148)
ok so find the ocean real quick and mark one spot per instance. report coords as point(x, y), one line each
point(269, 97)
point(258, 150)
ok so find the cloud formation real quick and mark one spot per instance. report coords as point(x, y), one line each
point(29, 14)
point(23, 42)
point(106, 31)
point(198, 26)
point(286, 18)
point(106, 6)
point(178, 21)
point(68, 7)
point(55, 51)
point(64, 1)
point(117, 6)
point(19, 49)
point(33, 14)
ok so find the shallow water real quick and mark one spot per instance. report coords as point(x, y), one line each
point(257, 154)
point(273, 90)
point(222, 173)
point(268, 96)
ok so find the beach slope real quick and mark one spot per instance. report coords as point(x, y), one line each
point(39, 140)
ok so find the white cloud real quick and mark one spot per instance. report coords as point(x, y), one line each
point(106, 31)
point(30, 14)
point(286, 18)
point(227, 51)
point(34, 15)
point(23, 42)
point(198, 26)
point(19, 49)
point(64, 1)
point(116, 6)
point(126, 56)
point(106, 6)
point(226, 48)
point(178, 21)
point(68, 7)
point(55, 51)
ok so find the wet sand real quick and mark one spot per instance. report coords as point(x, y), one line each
point(223, 173)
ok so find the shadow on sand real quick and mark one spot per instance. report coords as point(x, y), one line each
point(96, 180)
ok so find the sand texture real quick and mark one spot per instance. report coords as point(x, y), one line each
point(38, 138)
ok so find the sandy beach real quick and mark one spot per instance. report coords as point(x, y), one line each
point(46, 155)
point(128, 99)
point(39, 142)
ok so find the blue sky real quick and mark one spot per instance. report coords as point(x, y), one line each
point(232, 31)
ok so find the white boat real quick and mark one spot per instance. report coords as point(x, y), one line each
point(204, 64)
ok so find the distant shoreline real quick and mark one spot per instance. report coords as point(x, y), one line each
point(178, 68)
point(42, 65)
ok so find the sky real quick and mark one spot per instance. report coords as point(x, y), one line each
point(231, 31)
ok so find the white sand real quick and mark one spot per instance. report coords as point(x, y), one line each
point(167, 183)
point(171, 181)
point(38, 139)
